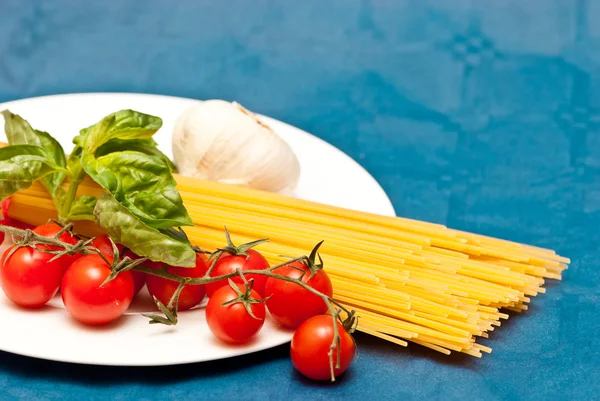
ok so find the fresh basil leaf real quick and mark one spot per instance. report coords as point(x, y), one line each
point(21, 165)
point(124, 228)
point(74, 165)
point(147, 146)
point(79, 139)
point(82, 208)
point(96, 132)
point(143, 184)
point(19, 132)
point(124, 124)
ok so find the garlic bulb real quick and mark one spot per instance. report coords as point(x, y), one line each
point(222, 141)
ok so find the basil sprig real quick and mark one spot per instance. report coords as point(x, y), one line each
point(141, 209)
point(21, 165)
point(140, 181)
point(158, 245)
point(19, 132)
point(143, 184)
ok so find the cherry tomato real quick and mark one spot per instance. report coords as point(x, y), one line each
point(17, 224)
point(310, 348)
point(232, 323)
point(190, 296)
point(4, 216)
point(89, 303)
point(50, 230)
point(4, 205)
point(289, 303)
point(9, 221)
point(28, 278)
point(149, 264)
point(139, 280)
point(229, 263)
point(104, 245)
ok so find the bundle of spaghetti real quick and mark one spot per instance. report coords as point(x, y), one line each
point(407, 280)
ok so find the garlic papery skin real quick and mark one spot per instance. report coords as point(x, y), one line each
point(222, 141)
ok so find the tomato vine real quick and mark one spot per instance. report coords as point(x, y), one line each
point(26, 237)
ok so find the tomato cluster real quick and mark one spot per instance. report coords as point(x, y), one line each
point(236, 312)
point(31, 275)
point(30, 278)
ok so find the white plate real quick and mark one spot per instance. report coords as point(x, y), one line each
point(50, 333)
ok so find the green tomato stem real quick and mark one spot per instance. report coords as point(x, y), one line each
point(29, 238)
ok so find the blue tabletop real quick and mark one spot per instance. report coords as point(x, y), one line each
point(484, 116)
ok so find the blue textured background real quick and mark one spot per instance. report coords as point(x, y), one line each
point(482, 115)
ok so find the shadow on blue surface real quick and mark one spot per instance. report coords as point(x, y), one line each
point(160, 375)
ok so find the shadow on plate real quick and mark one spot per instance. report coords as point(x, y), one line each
point(97, 375)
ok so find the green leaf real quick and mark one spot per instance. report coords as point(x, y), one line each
point(124, 228)
point(19, 132)
point(21, 165)
point(74, 165)
point(147, 146)
point(143, 184)
point(82, 208)
point(124, 124)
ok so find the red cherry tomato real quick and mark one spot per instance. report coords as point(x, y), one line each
point(103, 244)
point(28, 278)
point(232, 323)
point(6, 220)
point(4, 205)
point(4, 216)
point(190, 296)
point(50, 230)
point(16, 223)
point(310, 348)
point(149, 264)
point(89, 303)
point(228, 263)
point(289, 303)
point(139, 280)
